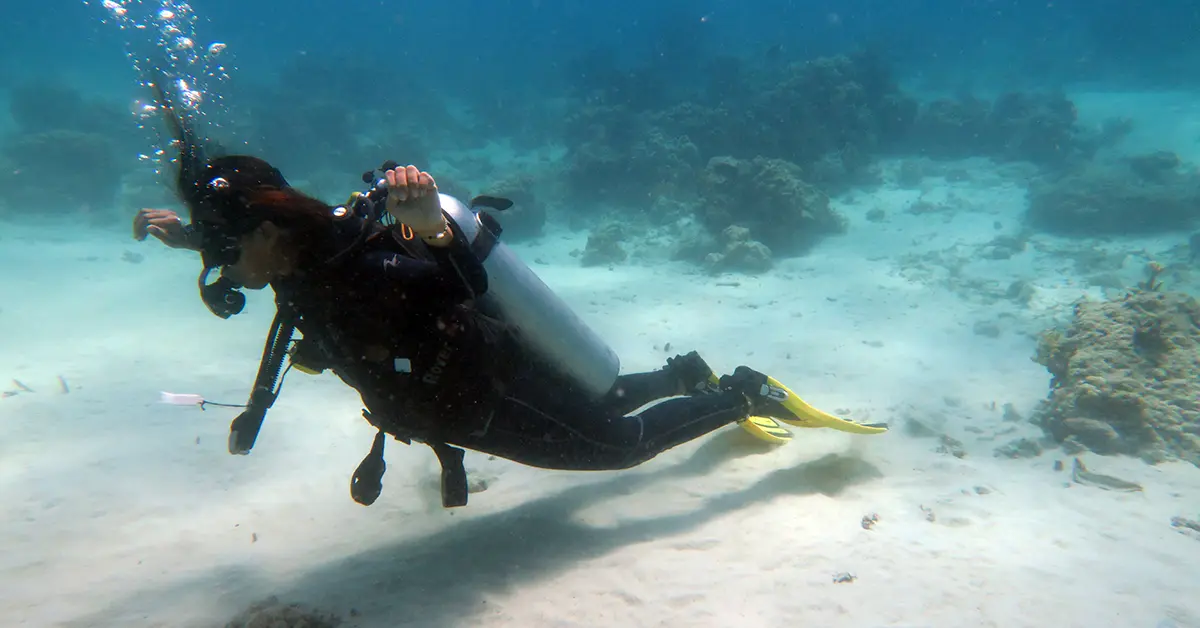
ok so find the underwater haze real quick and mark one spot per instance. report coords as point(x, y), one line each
point(973, 222)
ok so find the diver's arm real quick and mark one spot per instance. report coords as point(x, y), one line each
point(437, 237)
point(452, 275)
point(167, 227)
point(413, 201)
point(454, 256)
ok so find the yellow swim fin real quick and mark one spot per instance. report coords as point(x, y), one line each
point(763, 428)
point(767, 429)
point(804, 415)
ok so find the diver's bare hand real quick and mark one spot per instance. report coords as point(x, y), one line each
point(413, 199)
point(163, 224)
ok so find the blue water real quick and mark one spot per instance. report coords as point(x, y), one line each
point(884, 204)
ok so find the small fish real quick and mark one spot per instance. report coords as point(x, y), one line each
point(1081, 475)
point(491, 202)
point(62, 384)
point(1194, 245)
point(18, 384)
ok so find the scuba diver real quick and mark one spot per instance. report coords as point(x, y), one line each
point(408, 296)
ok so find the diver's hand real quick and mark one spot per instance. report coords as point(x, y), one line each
point(163, 224)
point(413, 200)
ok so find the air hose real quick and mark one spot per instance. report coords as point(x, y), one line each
point(244, 429)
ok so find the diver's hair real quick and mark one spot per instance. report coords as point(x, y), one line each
point(192, 151)
point(307, 221)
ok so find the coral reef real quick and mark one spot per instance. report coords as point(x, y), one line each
point(740, 253)
point(828, 116)
point(1040, 128)
point(618, 159)
point(838, 110)
point(1126, 377)
point(770, 198)
point(33, 167)
point(59, 133)
point(42, 106)
point(1144, 194)
point(271, 613)
point(604, 246)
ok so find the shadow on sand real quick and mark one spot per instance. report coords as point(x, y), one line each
point(442, 579)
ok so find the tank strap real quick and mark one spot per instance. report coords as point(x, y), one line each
point(414, 248)
point(488, 236)
point(479, 248)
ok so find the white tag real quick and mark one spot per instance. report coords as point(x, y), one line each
point(181, 400)
point(402, 365)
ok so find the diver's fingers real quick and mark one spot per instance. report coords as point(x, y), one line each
point(139, 225)
point(146, 217)
point(425, 181)
point(159, 233)
point(167, 224)
point(159, 215)
point(412, 175)
point(397, 189)
point(410, 190)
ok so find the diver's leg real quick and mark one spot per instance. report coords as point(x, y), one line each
point(683, 375)
point(676, 421)
point(588, 437)
point(635, 390)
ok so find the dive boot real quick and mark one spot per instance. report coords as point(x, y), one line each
point(772, 399)
point(698, 378)
point(694, 374)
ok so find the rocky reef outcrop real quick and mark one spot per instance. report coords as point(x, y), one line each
point(1034, 127)
point(768, 197)
point(1126, 377)
point(1140, 194)
point(59, 136)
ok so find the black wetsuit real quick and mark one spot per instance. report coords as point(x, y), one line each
point(398, 326)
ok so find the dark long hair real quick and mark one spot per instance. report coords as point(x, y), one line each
point(251, 191)
point(307, 222)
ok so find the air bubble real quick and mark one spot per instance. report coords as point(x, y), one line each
point(192, 70)
point(115, 8)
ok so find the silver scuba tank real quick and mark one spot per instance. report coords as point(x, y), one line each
point(543, 322)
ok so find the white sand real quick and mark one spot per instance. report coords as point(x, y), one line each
point(118, 511)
